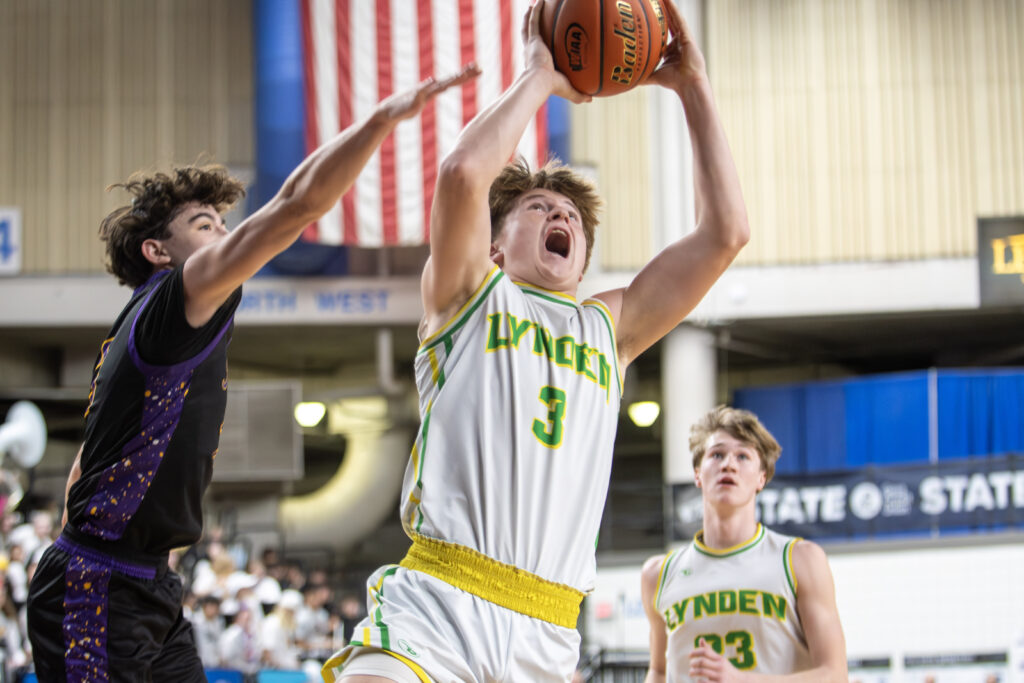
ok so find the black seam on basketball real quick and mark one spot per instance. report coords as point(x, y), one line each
point(644, 6)
point(554, 31)
point(600, 70)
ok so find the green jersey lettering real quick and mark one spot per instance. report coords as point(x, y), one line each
point(705, 603)
point(494, 339)
point(542, 344)
point(747, 600)
point(564, 347)
point(726, 602)
point(773, 605)
point(517, 329)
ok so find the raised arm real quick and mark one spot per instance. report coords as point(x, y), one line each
point(460, 224)
point(658, 639)
point(213, 272)
point(672, 284)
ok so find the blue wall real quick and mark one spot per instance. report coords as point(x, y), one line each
point(837, 425)
point(280, 128)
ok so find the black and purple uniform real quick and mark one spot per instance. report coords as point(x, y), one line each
point(102, 604)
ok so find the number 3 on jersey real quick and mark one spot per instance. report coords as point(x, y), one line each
point(550, 433)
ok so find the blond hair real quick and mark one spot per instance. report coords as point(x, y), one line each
point(739, 424)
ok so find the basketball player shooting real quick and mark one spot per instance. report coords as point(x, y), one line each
point(102, 604)
point(519, 390)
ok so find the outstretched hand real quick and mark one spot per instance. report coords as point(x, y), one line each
point(409, 103)
point(682, 61)
point(538, 56)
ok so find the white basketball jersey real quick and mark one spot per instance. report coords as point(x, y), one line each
point(741, 600)
point(519, 401)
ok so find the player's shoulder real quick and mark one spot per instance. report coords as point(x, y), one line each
point(650, 578)
point(653, 564)
point(809, 562)
point(656, 567)
point(805, 551)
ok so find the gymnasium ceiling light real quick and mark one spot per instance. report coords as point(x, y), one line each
point(309, 413)
point(643, 413)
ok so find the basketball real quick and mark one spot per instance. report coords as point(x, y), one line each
point(604, 47)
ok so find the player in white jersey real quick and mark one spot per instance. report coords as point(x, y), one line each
point(742, 602)
point(519, 391)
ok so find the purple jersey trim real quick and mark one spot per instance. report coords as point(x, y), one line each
point(190, 363)
point(125, 483)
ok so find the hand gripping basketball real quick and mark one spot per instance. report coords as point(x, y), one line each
point(604, 48)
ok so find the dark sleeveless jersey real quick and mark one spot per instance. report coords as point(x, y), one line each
point(156, 410)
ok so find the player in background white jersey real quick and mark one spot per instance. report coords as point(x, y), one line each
point(506, 484)
point(741, 603)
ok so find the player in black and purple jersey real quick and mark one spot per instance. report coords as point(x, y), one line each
point(102, 604)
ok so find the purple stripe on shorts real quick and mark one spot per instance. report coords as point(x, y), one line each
point(136, 571)
point(85, 619)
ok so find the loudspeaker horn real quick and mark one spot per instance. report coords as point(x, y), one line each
point(23, 434)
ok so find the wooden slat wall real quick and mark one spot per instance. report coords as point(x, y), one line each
point(93, 90)
point(612, 135)
point(871, 129)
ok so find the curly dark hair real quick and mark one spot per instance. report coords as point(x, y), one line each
point(158, 199)
point(516, 179)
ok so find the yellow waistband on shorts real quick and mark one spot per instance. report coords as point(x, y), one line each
point(503, 584)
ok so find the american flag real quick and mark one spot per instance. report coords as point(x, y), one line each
point(357, 52)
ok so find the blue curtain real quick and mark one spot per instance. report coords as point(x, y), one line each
point(887, 419)
point(883, 419)
point(980, 412)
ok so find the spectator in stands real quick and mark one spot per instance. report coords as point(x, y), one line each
point(352, 613)
point(318, 577)
point(214, 581)
point(239, 646)
point(8, 521)
point(17, 575)
point(277, 633)
point(273, 565)
point(13, 645)
point(312, 622)
point(207, 627)
point(268, 592)
point(34, 536)
point(295, 575)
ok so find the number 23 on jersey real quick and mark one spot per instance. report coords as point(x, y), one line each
point(743, 641)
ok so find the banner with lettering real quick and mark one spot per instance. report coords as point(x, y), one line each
point(1001, 261)
point(973, 494)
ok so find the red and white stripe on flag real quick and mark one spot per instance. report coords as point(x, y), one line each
point(357, 52)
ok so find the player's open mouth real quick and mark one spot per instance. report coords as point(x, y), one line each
point(557, 242)
point(726, 481)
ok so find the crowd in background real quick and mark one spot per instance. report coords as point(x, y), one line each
point(249, 611)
